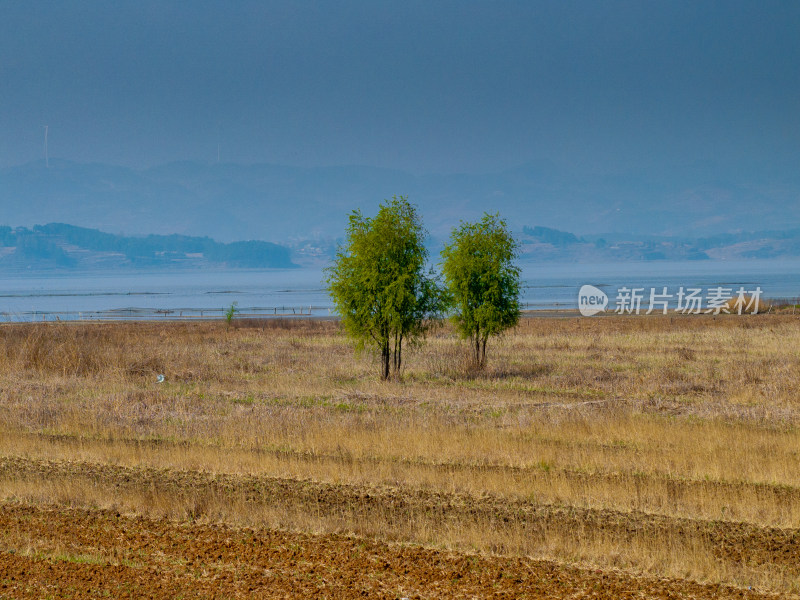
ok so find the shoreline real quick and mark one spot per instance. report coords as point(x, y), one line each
point(566, 313)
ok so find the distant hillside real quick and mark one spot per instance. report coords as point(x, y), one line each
point(277, 203)
point(62, 246)
point(544, 243)
point(58, 245)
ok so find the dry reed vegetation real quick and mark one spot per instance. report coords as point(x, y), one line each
point(666, 446)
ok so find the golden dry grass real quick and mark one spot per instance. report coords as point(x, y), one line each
point(689, 417)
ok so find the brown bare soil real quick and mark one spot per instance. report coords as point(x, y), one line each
point(397, 510)
point(83, 553)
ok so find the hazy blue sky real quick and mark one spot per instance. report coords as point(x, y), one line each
point(423, 86)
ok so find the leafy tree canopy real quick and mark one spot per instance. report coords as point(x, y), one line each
point(379, 283)
point(482, 280)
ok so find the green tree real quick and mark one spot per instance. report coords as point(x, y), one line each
point(229, 314)
point(482, 281)
point(379, 284)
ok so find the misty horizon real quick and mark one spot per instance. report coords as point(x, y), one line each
point(274, 120)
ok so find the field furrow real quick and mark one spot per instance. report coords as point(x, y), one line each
point(91, 553)
point(486, 523)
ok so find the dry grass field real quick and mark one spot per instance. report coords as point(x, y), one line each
point(612, 457)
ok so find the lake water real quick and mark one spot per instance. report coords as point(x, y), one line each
point(208, 293)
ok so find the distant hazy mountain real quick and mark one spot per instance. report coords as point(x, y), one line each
point(61, 246)
point(544, 243)
point(277, 203)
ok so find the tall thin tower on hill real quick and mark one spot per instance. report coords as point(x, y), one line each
point(46, 158)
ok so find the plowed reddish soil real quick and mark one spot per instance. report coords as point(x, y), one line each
point(79, 553)
point(740, 543)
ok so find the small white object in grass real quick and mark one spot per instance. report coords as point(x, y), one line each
point(160, 379)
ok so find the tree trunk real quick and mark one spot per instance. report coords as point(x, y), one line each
point(477, 355)
point(394, 354)
point(399, 353)
point(385, 360)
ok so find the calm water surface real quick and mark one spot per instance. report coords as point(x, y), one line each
point(207, 293)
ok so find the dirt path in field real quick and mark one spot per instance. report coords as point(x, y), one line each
point(77, 553)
